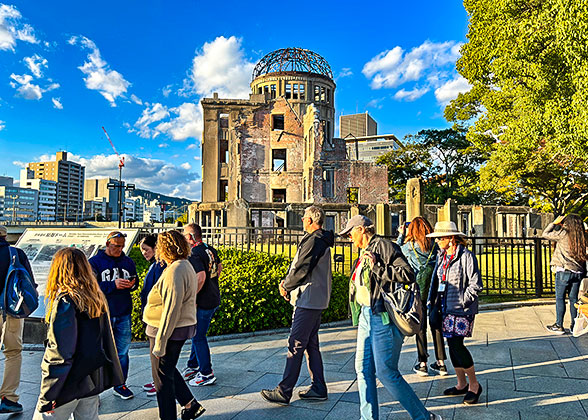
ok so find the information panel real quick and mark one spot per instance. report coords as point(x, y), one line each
point(40, 244)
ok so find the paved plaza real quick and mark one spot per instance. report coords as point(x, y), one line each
point(527, 373)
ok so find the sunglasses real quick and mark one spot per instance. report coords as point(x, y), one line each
point(113, 235)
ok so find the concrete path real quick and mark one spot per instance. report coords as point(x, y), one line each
point(526, 372)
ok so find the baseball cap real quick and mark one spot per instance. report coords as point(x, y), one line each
point(357, 220)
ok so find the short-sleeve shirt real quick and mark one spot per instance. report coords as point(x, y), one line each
point(209, 295)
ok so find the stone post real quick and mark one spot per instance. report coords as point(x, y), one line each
point(448, 212)
point(415, 199)
point(383, 222)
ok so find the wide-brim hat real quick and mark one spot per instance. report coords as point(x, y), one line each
point(445, 228)
point(357, 220)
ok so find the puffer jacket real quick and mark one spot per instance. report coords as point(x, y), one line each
point(562, 256)
point(390, 267)
point(80, 359)
point(464, 283)
point(310, 276)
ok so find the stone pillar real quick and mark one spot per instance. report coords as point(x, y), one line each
point(477, 218)
point(415, 199)
point(383, 223)
point(448, 212)
point(354, 211)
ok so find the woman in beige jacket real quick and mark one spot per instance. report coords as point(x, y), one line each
point(170, 315)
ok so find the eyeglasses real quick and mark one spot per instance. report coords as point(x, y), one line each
point(113, 235)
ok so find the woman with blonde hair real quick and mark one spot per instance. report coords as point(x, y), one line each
point(421, 253)
point(170, 315)
point(80, 359)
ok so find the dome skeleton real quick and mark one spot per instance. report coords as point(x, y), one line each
point(293, 60)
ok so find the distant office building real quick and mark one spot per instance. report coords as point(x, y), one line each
point(357, 125)
point(133, 209)
point(6, 181)
point(95, 209)
point(97, 189)
point(70, 184)
point(152, 212)
point(47, 202)
point(17, 204)
point(370, 150)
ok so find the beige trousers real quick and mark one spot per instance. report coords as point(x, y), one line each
point(12, 340)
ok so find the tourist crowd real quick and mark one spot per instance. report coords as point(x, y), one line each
point(89, 309)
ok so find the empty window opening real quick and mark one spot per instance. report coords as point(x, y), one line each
point(278, 160)
point(317, 93)
point(266, 89)
point(223, 190)
point(277, 122)
point(223, 151)
point(301, 92)
point(328, 183)
point(223, 121)
point(259, 90)
point(353, 195)
point(295, 91)
point(273, 91)
point(279, 195)
point(323, 98)
point(288, 91)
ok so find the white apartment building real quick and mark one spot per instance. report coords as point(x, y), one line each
point(47, 202)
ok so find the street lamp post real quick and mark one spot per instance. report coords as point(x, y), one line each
point(120, 187)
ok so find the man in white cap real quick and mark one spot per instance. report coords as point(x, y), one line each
point(11, 330)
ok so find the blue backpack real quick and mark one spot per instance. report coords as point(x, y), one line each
point(19, 298)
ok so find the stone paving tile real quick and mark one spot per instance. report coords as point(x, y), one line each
point(543, 385)
point(262, 410)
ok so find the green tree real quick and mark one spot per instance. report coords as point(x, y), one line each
point(527, 64)
point(445, 160)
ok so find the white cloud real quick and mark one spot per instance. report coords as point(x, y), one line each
point(166, 90)
point(449, 90)
point(36, 63)
point(152, 174)
point(136, 99)
point(27, 90)
point(184, 121)
point(12, 28)
point(430, 64)
point(221, 66)
point(345, 72)
point(186, 166)
point(375, 103)
point(197, 158)
point(20, 164)
point(57, 103)
point(99, 76)
point(410, 95)
point(188, 122)
point(163, 145)
point(191, 146)
point(2, 125)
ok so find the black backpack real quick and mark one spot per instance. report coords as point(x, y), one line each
point(19, 298)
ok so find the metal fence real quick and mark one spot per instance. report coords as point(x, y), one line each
point(510, 266)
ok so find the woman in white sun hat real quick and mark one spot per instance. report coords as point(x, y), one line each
point(453, 304)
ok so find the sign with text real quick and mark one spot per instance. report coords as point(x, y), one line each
point(40, 244)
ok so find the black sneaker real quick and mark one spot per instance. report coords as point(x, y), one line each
point(311, 395)
point(472, 398)
point(274, 396)
point(195, 411)
point(420, 370)
point(556, 329)
point(439, 369)
point(7, 406)
point(123, 392)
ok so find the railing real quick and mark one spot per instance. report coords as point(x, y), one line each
point(510, 266)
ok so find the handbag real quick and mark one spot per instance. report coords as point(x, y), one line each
point(404, 306)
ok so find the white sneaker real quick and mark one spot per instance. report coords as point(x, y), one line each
point(436, 417)
point(201, 380)
point(189, 373)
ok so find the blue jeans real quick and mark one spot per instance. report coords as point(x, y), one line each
point(378, 351)
point(200, 352)
point(121, 329)
point(566, 282)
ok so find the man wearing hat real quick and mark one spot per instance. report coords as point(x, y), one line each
point(11, 330)
point(117, 277)
point(308, 288)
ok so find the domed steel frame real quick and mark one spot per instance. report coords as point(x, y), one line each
point(292, 60)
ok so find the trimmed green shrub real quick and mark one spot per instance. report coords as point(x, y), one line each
point(250, 300)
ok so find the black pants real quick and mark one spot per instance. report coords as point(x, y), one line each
point(304, 340)
point(421, 340)
point(169, 383)
point(459, 354)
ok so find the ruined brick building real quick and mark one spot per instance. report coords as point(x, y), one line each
point(267, 157)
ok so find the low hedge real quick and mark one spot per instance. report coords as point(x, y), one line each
point(250, 300)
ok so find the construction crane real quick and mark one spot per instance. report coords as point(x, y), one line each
point(120, 187)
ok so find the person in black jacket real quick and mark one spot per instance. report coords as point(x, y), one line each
point(308, 288)
point(80, 359)
point(11, 331)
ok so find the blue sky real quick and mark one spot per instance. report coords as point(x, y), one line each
point(139, 69)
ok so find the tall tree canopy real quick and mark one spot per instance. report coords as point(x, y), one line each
point(446, 161)
point(527, 63)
